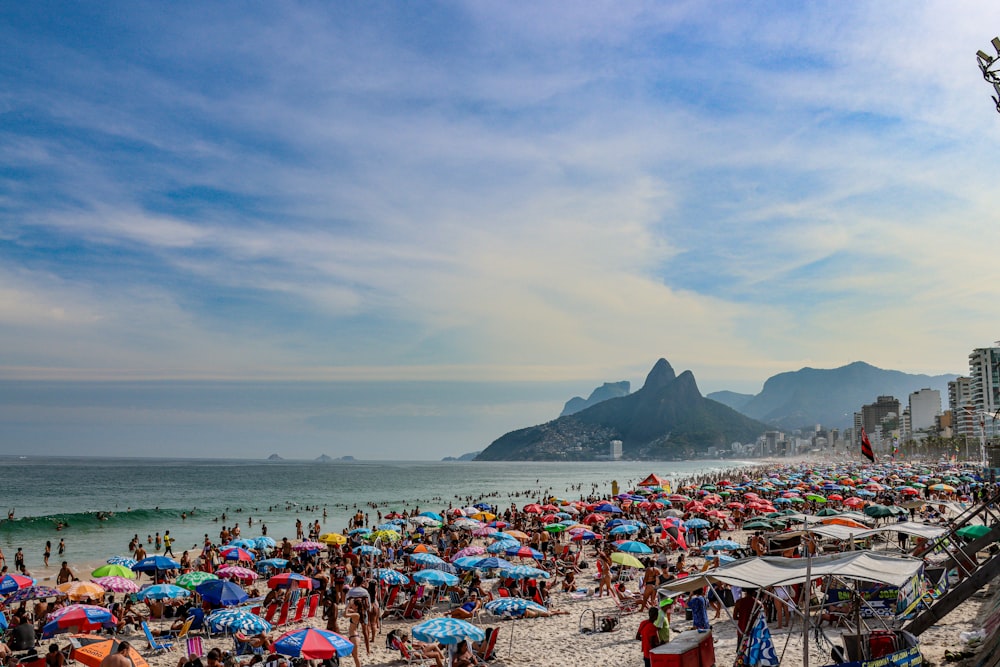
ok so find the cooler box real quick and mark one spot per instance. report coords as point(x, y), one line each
point(687, 649)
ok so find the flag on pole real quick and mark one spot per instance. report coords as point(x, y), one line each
point(866, 446)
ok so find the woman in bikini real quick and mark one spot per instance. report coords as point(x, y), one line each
point(353, 615)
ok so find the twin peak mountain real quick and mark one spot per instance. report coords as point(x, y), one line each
point(667, 418)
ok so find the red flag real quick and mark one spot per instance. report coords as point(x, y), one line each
point(866, 446)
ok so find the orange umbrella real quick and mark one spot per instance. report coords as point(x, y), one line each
point(844, 521)
point(90, 650)
point(516, 534)
point(81, 590)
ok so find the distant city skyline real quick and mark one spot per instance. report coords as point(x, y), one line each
point(391, 228)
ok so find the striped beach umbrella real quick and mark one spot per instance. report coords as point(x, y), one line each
point(512, 606)
point(390, 576)
point(236, 620)
point(493, 563)
point(81, 590)
point(528, 572)
point(473, 550)
point(309, 546)
point(31, 593)
point(435, 578)
point(163, 592)
point(501, 546)
point(117, 584)
point(121, 560)
point(91, 650)
point(447, 631)
point(236, 572)
point(264, 542)
point(524, 552)
point(313, 644)
point(426, 559)
point(190, 580)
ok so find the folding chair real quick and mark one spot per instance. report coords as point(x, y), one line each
point(282, 616)
point(272, 609)
point(313, 605)
point(153, 644)
point(300, 608)
point(194, 647)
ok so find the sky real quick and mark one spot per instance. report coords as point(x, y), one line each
point(401, 229)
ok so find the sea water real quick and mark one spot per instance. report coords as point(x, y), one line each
point(98, 504)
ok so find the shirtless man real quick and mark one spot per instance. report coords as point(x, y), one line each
point(65, 574)
point(118, 658)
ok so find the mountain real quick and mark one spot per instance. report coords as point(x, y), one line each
point(667, 418)
point(323, 458)
point(274, 457)
point(470, 456)
point(831, 396)
point(731, 398)
point(602, 393)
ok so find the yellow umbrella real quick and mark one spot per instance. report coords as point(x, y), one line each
point(81, 590)
point(332, 538)
point(516, 534)
point(384, 535)
point(484, 516)
point(628, 560)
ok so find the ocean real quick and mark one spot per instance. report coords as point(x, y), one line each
point(102, 502)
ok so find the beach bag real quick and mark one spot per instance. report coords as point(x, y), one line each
point(583, 565)
point(608, 623)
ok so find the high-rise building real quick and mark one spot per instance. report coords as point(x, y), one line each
point(874, 417)
point(984, 374)
point(925, 407)
point(616, 450)
point(960, 404)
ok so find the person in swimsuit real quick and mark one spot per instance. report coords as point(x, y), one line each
point(650, 579)
point(468, 608)
point(353, 615)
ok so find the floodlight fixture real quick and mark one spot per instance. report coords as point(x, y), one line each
point(990, 67)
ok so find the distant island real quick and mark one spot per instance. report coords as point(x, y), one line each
point(323, 458)
point(471, 456)
point(274, 457)
point(347, 458)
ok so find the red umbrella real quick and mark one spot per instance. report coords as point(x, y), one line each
point(289, 580)
point(592, 518)
point(533, 508)
point(835, 496)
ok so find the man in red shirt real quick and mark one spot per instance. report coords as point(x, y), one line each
point(649, 634)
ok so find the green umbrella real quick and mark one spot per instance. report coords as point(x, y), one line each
point(815, 498)
point(827, 511)
point(113, 571)
point(757, 525)
point(973, 532)
point(191, 580)
point(556, 527)
point(878, 511)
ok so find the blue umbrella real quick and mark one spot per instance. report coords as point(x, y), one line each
point(13, 582)
point(492, 563)
point(277, 563)
point(443, 567)
point(124, 561)
point(388, 526)
point(624, 530)
point(264, 542)
point(608, 507)
point(367, 550)
point(360, 531)
point(512, 606)
point(236, 620)
point(313, 644)
point(426, 559)
point(466, 562)
point(502, 546)
point(447, 631)
point(162, 592)
point(390, 576)
point(221, 592)
point(483, 506)
point(3, 622)
point(156, 564)
point(696, 523)
point(435, 578)
point(525, 572)
point(433, 515)
point(634, 547)
point(720, 545)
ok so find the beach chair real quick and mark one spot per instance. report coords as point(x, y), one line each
point(157, 647)
point(390, 600)
point(300, 609)
point(488, 648)
point(406, 610)
point(184, 629)
point(313, 605)
point(282, 615)
point(409, 654)
point(194, 647)
point(272, 609)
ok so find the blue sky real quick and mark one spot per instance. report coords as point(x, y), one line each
point(475, 210)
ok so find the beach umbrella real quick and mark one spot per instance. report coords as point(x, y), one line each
point(12, 582)
point(264, 542)
point(634, 547)
point(236, 572)
point(434, 515)
point(155, 564)
point(501, 546)
point(720, 545)
point(447, 631)
point(121, 560)
point(190, 580)
point(221, 592)
point(276, 563)
point(484, 531)
point(585, 535)
point(524, 552)
point(608, 508)
point(31, 593)
point(435, 578)
point(474, 550)
point(313, 644)
point(117, 584)
point(78, 616)
point(512, 606)
point(527, 572)
point(162, 592)
point(242, 543)
point(81, 590)
point(827, 511)
point(946, 488)
point(385, 535)
point(114, 571)
point(426, 559)
point(390, 576)
point(972, 532)
point(628, 560)
point(367, 550)
point(422, 549)
point(236, 620)
point(696, 523)
point(91, 650)
point(492, 563)
point(556, 527)
point(424, 521)
point(815, 498)
point(289, 580)
point(309, 546)
point(466, 562)
point(237, 554)
point(624, 530)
